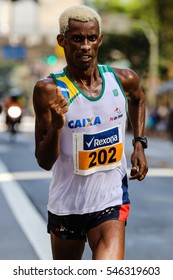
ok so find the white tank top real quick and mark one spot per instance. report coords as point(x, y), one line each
point(90, 172)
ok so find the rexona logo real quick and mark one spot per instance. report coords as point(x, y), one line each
point(101, 139)
point(84, 122)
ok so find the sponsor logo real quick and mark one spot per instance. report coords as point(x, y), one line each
point(102, 139)
point(118, 114)
point(115, 92)
point(90, 142)
point(84, 122)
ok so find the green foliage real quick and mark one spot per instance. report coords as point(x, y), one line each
point(134, 47)
point(158, 14)
point(127, 6)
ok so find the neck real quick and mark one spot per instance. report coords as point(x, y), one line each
point(88, 81)
point(86, 78)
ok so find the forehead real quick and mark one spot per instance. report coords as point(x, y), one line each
point(76, 26)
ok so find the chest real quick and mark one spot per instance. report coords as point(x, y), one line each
point(86, 114)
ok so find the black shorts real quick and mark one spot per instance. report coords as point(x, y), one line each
point(75, 227)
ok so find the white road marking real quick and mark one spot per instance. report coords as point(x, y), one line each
point(37, 175)
point(25, 175)
point(160, 172)
point(31, 222)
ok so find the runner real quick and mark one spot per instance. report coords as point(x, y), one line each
point(80, 134)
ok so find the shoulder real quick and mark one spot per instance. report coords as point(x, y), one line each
point(43, 92)
point(128, 78)
point(44, 88)
point(44, 85)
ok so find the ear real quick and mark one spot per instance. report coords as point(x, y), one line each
point(100, 40)
point(60, 40)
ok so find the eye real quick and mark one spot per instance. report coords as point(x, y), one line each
point(92, 38)
point(77, 38)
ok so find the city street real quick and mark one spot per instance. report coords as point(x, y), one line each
point(24, 191)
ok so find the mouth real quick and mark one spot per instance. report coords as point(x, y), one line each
point(85, 57)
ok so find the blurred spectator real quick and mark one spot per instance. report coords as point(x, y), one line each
point(170, 124)
point(162, 123)
point(151, 121)
point(159, 121)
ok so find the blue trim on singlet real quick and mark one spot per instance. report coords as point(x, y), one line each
point(124, 186)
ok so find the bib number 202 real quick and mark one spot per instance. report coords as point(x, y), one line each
point(102, 157)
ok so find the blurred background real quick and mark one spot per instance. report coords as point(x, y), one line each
point(138, 35)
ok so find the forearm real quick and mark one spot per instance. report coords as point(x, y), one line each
point(47, 150)
point(136, 111)
point(139, 164)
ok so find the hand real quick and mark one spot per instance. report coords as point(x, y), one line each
point(58, 107)
point(139, 164)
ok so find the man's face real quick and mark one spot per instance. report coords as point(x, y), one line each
point(81, 43)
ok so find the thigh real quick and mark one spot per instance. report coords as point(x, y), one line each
point(66, 249)
point(107, 240)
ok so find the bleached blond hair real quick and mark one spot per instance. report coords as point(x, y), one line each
point(78, 12)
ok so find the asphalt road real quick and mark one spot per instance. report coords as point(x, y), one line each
point(24, 192)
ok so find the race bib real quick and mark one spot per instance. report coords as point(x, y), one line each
point(97, 152)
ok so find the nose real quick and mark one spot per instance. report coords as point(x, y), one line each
point(85, 45)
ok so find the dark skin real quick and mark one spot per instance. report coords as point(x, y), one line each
point(81, 43)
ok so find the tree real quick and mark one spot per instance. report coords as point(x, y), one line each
point(157, 14)
point(164, 10)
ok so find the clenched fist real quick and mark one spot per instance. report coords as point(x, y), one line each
point(58, 107)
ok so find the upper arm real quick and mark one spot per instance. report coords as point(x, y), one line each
point(131, 84)
point(41, 96)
